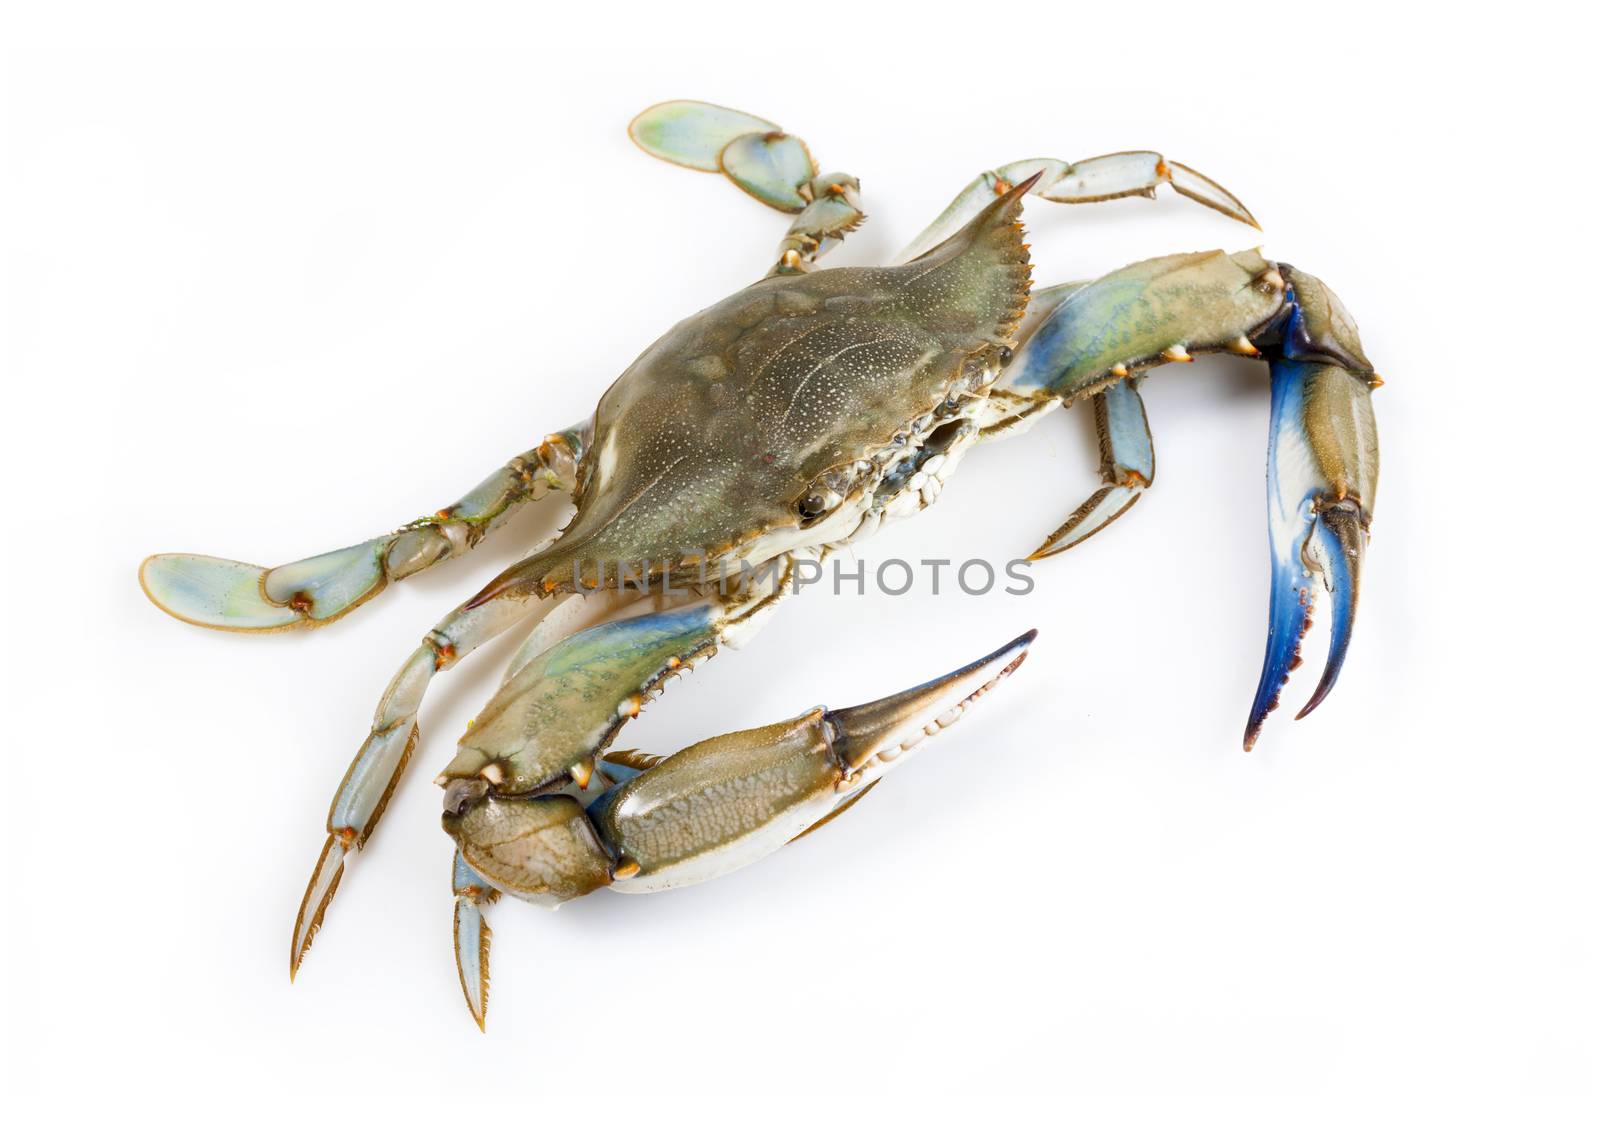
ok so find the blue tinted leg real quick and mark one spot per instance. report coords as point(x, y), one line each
point(374, 773)
point(1127, 465)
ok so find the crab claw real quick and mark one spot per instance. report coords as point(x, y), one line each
point(870, 736)
point(714, 807)
point(1322, 476)
point(751, 792)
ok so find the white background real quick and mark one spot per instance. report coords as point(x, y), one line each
point(280, 278)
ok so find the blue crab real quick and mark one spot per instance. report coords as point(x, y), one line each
point(794, 416)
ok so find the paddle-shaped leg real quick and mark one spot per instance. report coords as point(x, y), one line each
point(763, 161)
point(216, 593)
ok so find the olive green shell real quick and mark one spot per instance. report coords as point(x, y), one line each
point(715, 433)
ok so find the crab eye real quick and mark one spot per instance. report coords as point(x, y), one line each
point(813, 505)
point(1005, 355)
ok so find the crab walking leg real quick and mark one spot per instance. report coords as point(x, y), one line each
point(216, 593)
point(546, 726)
point(1097, 340)
point(712, 808)
point(373, 774)
point(1323, 459)
point(471, 935)
point(1086, 181)
point(1127, 465)
point(832, 211)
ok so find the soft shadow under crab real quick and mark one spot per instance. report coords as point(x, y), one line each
point(795, 416)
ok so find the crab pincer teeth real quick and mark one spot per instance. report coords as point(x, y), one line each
point(869, 737)
point(1339, 539)
point(1331, 553)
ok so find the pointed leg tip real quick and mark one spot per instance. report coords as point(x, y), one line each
point(472, 937)
point(1056, 544)
point(478, 1006)
point(300, 941)
point(479, 1010)
point(321, 887)
point(299, 946)
point(1105, 505)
